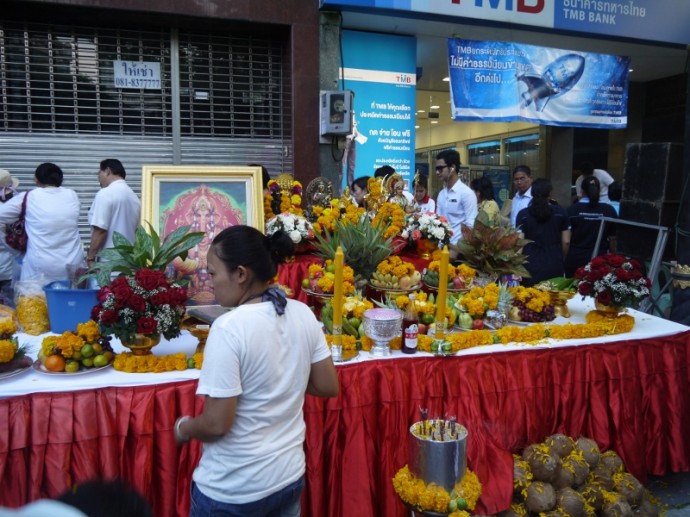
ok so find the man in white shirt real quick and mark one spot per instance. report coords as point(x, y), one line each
point(116, 208)
point(522, 179)
point(605, 180)
point(456, 201)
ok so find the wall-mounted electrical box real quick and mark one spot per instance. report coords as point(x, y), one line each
point(336, 113)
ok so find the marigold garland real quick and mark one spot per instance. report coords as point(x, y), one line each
point(32, 314)
point(391, 214)
point(130, 363)
point(349, 343)
point(432, 497)
point(596, 326)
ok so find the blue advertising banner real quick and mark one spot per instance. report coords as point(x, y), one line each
point(381, 71)
point(652, 20)
point(503, 81)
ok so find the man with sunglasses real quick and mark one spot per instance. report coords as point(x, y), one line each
point(456, 201)
point(522, 179)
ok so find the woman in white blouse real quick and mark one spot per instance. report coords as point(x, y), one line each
point(52, 214)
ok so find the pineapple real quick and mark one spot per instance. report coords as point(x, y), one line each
point(363, 244)
point(505, 298)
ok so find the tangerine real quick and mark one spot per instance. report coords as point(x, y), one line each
point(55, 363)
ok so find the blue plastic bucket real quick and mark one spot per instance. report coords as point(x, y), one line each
point(68, 307)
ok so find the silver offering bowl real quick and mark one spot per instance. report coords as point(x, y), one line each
point(382, 325)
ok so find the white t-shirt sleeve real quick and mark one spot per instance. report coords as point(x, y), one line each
point(220, 371)
point(100, 213)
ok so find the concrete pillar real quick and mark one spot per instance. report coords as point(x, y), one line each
point(559, 163)
point(329, 69)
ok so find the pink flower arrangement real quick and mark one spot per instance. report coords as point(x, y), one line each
point(613, 280)
point(427, 226)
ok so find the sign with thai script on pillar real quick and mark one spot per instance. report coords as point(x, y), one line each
point(144, 75)
point(504, 81)
point(381, 71)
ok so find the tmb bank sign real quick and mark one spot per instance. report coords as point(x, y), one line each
point(641, 19)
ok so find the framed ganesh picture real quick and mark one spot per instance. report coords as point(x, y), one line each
point(206, 198)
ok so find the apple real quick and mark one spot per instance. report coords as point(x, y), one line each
point(405, 282)
point(478, 324)
point(458, 283)
point(422, 329)
point(314, 285)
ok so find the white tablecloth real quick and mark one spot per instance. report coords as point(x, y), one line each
point(32, 381)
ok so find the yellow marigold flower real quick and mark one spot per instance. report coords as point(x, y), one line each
point(349, 343)
point(48, 344)
point(89, 331)
point(32, 314)
point(198, 359)
point(7, 327)
point(68, 343)
point(7, 350)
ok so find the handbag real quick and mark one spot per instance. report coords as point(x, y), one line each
point(15, 233)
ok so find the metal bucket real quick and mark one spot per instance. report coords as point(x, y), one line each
point(440, 462)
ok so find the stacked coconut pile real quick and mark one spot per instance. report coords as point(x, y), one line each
point(563, 477)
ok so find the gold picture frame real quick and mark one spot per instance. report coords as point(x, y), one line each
point(207, 198)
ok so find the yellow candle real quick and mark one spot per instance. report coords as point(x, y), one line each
point(442, 292)
point(338, 298)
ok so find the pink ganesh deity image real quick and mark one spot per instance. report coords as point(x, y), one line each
point(206, 210)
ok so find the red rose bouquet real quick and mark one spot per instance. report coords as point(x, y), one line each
point(145, 303)
point(613, 280)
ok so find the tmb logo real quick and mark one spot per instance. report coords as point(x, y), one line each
point(523, 6)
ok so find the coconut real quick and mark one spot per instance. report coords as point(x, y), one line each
point(571, 502)
point(560, 444)
point(544, 465)
point(554, 513)
point(613, 461)
point(529, 451)
point(522, 476)
point(617, 508)
point(564, 478)
point(602, 475)
point(515, 510)
point(646, 509)
point(628, 486)
point(541, 497)
point(576, 463)
point(589, 449)
point(593, 495)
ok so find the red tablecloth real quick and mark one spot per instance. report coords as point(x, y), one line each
point(630, 396)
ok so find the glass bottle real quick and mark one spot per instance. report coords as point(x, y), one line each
point(410, 328)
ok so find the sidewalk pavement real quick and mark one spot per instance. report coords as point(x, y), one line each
point(674, 492)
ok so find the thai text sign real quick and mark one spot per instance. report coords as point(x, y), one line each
point(504, 81)
point(145, 75)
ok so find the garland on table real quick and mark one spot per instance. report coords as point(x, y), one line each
point(130, 363)
point(432, 497)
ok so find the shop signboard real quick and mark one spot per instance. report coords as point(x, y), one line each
point(495, 81)
point(381, 71)
point(649, 20)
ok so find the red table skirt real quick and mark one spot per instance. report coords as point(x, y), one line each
point(630, 396)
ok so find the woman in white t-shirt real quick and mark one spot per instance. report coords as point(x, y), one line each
point(259, 361)
point(52, 226)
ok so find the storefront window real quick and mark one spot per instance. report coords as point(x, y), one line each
point(522, 150)
point(484, 153)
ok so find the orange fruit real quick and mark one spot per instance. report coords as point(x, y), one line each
point(55, 363)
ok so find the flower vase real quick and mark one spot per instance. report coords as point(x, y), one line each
point(142, 344)
point(612, 311)
point(425, 247)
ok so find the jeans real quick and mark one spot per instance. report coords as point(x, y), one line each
point(284, 503)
